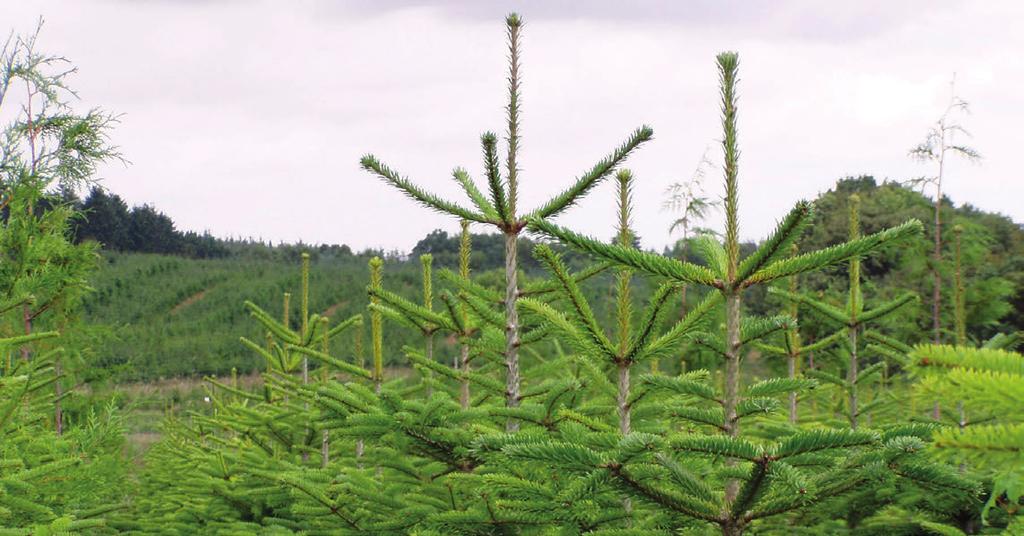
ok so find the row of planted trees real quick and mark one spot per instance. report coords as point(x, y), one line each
point(541, 419)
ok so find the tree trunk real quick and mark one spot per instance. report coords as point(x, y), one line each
point(58, 410)
point(512, 395)
point(430, 357)
point(937, 256)
point(682, 296)
point(464, 363)
point(731, 528)
point(682, 314)
point(623, 399)
point(851, 377)
point(732, 377)
point(325, 449)
point(791, 369)
point(26, 313)
point(624, 423)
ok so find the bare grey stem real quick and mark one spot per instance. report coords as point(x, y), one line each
point(512, 395)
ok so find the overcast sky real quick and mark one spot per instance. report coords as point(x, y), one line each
point(248, 118)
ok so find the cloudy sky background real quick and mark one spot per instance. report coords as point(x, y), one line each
point(248, 118)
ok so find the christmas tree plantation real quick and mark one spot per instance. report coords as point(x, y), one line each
point(544, 418)
point(791, 395)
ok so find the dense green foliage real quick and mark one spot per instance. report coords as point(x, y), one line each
point(572, 388)
point(993, 252)
point(987, 432)
point(54, 479)
point(174, 315)
point(108, 220)
point(330, 445)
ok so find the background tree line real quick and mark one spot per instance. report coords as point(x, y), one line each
point(994, 246)
point(107, 219)
point(177, 314)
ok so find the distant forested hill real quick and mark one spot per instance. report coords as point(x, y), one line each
point(170, 308)
point(992, 254)
point(160, 315)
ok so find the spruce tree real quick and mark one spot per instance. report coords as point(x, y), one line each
point(988, 382)
point(758, 481)
point(500, 208)
point(793, 348)
point(853, 320)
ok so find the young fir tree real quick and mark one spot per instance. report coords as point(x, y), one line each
point(405, 436)
point(52, 484)
point(500, 208)
point(998, 342)
point(469, 316)
point(420, 453)
point(987, 381)
point(889, 503)
point(793, 348)
point(852, 322)
point(463, 362)
point(253, 473)
point(760, 480)
point(42, 273)
point(631, 341)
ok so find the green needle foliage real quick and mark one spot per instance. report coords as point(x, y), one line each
point(458, 437)
point(852, 320)
point(793, 347)
point(54, 478)
point(500, 208)
point(988, 381)
point(749, 491)
point(264, 437)
point(597, 449)
point(632, 341)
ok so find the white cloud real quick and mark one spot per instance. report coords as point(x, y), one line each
point(248, 118)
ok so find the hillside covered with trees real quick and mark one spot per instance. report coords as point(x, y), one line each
point(175, 315)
